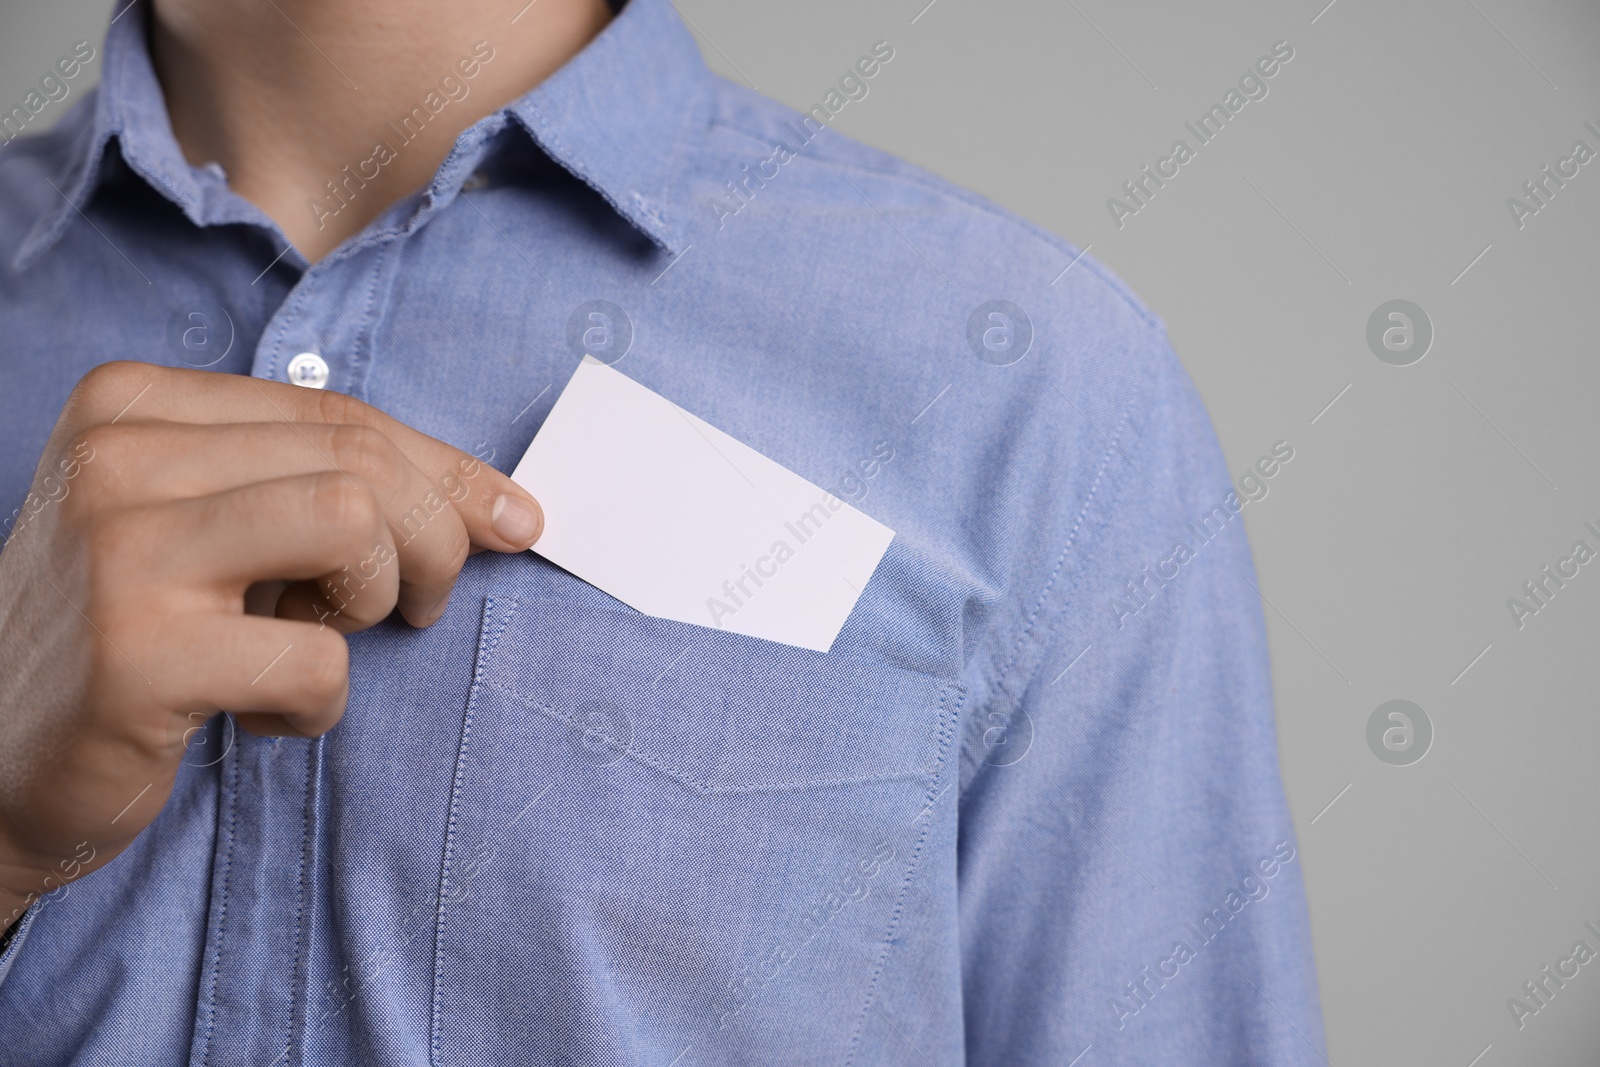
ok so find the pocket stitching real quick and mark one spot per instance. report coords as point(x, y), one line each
point(704, 788)
point(695, 785)
point(487, 643)
point(887, 943)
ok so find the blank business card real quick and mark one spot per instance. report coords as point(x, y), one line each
point(672, 516)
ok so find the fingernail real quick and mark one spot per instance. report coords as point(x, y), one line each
point(435, 613)
point(516, 520)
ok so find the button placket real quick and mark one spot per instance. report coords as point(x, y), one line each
point(318, 339)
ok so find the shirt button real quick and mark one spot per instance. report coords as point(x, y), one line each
point(308, 369)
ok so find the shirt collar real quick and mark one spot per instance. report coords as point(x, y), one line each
point(614, 115)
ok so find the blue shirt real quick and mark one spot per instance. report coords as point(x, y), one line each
point(1028, 807)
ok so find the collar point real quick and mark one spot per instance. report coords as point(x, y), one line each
point(655, 224)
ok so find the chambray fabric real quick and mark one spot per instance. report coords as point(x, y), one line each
point(1027, 810)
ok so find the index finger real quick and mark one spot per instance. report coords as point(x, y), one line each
point(498, 513)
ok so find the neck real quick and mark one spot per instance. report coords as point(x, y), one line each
point(287, 94)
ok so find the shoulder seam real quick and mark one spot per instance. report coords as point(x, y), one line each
point(1016, 663)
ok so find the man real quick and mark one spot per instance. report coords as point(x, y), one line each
point(1025, 810)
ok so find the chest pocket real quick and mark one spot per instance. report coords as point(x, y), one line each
point(664, 837)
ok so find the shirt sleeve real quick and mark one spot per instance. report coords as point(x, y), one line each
point(1130, 880)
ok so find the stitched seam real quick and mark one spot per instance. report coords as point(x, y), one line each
point(300, 904)
point(290, 312)
point(487, 643)
point(699, 786)
point(1055, 571)
point(557, 150)
point(361, 367)
point(676, 173)
point(1029, 636)
point(948, 731)
point(210, 1003)
point(1003, 675)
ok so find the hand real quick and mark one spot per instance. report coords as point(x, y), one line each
point(197, 541)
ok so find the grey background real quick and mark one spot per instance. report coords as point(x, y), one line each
point(1377, 168)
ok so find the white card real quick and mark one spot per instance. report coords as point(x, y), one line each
point(672, 516)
